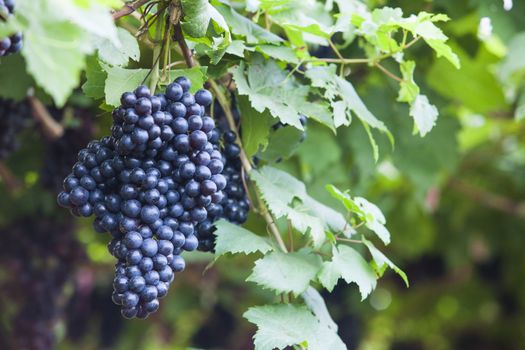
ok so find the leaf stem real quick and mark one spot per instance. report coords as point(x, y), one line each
point(375, 61)
point(338, 54)
point(348, 240)
point(412, 42)
point(340, 60)
point(290, 235)
point(387, 72)
point(174, 64)
point(157, 53)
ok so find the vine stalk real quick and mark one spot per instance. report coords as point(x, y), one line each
point(50, 127)
point(128, 9)
point(157, 52)
point(9, 179)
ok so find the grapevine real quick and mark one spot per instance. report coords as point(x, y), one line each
point(42, 258)
point(245, 143)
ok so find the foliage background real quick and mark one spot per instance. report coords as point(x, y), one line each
point(453, 201)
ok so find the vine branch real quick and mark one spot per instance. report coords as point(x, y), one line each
point(51, 128)
point(10, 181)
point(186, 52)
point(128, 9)
point(489, 199)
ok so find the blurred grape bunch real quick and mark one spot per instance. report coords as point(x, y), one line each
point(61, 152)
point(14, 117)
point(13, 43)
point(38, 262)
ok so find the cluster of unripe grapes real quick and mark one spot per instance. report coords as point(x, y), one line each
point(153, 184)
point(13, 43)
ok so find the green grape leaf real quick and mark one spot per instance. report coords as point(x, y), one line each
point(340, 90)
point(95, 79)
point(119, 55)
point(120, 80)
point(56, 42)
point(94, 18)
point(286, 272)
point(408, 88)
point(269, 87)
point(366, 211)
point(345, 199)
point(255, 127)
point(282, 144)
point(214, 48)
point(236, 48)
point(243, 26)
point(381, 261)
point(197, 17)
point(326, 334)
point(315, 29)
point(374, 218)
point(284, 325)
point(307, 18)
point(443, 50)
point(424, 114)
point(380, 28)
point(348, 264)
point(519, 113)
point(56, 70)
point(314, 159)
point(12, 69)
point(286, 197)
point(235, 239)
point(513, 62)
point(281, 53)
point(317, 305)
point(463, 85)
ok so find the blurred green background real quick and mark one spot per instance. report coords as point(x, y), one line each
point(454, 202)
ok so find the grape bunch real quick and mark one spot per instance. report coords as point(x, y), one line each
point(235, 205)
point(11, 44)
point(149, 185)
point(14, 117)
